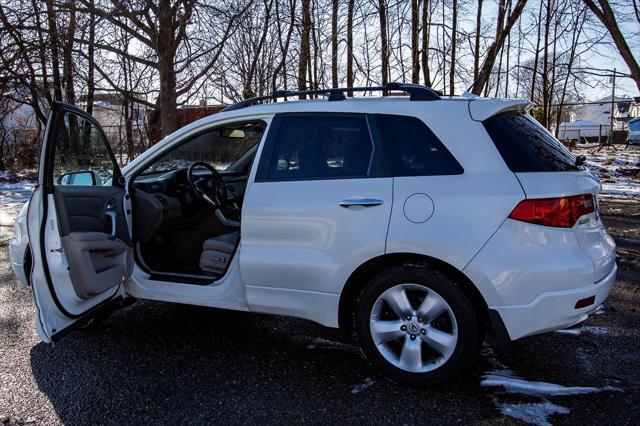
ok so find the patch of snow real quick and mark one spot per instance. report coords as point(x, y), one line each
point(362, 386)
point(524, 387)
point(601, 309)
point(572, 331)
point(536, 413)
point(320, 343)
point(599, 331)
point(12, 197)
point(616, 169)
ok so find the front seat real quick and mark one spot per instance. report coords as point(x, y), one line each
point(216, 252)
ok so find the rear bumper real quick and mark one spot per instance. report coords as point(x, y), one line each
point(554, 310)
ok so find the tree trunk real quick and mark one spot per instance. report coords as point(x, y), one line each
point(536, 57)
point(350, 74)
point(476, 53)
point(334, 44)
point(55, 59)
point(545, 65)
point(608, 19)
point(384, 44)
point(454, 31)
point(91, 82)
point(415, 44)
point(304, 47)
point(284, 49)
point(167, 99)
point(494, 49)
point(426, 26)
point(247, 90)
point(68, 60)
point(577, 30)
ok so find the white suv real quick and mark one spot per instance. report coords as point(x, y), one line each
point(419, 222)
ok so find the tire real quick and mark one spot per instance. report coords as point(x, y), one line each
point(440, 340)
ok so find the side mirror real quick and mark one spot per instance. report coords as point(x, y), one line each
point(81, 178)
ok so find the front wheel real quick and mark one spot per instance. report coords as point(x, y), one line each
point(416, 326)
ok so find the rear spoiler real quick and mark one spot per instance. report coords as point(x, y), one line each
point(482, 108)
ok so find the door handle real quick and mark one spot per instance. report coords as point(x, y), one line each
point(364, 202)
point(113, 216)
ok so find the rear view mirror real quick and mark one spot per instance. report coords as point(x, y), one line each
point(82, 178)
point(232, 133)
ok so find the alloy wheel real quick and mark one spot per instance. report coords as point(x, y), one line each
point(413, 328)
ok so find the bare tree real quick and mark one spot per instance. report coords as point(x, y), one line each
point(454, 30)
point(476, 50)
point(303, 64)
point(426, 27)
point(162, 28)
point(502, 29)
point(415, 44)
point(384, 45)
point(334, 43)
point(350, 74)
point(605, 14)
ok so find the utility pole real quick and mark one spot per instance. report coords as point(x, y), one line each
point(613, 100)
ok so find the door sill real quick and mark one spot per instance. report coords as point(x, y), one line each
point(183, 279)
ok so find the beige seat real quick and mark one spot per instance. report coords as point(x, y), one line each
point(217, 251)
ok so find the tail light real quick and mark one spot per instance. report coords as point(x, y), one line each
point(560, 212)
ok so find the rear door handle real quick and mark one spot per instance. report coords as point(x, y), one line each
point(364, 202)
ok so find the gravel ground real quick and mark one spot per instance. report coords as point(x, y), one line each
point(166, 363)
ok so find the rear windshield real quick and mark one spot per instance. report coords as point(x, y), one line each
point(526, 146)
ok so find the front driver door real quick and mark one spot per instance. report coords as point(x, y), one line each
point(77, 230)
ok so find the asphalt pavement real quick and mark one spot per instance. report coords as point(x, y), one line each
point(165, 363)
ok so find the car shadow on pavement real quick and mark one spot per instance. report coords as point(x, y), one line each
point(164, 363)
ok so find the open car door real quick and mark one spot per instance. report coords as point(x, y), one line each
point(78, 234)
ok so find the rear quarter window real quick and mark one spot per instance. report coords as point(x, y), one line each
point(526, 146)
point(413, 149)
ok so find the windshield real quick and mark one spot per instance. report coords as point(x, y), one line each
point(220, 147)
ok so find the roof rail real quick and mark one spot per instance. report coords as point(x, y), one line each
point(416, 93)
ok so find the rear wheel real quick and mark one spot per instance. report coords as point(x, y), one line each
point(416, 326)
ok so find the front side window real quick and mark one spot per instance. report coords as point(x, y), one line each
point(221, 147)
point(81, 155)
point(321, 147)
point(413, 149)
point(526, 146)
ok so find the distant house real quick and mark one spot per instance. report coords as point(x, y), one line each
point(20, 130)
point(593, 120)
point(109, 111)
point(634, 130)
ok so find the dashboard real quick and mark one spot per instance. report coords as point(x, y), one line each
point(165, 198)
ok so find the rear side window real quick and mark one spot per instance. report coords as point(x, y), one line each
point(321, 147)
point(413, 149)
point(526, 146)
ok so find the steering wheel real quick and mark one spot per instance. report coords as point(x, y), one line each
point(210, 190)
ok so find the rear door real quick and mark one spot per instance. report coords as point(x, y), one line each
point(77, 230)
point(318, 208)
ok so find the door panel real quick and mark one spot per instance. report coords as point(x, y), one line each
point(85, 209)
point(79, 238)
point(295, 235)
point(98, 253)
